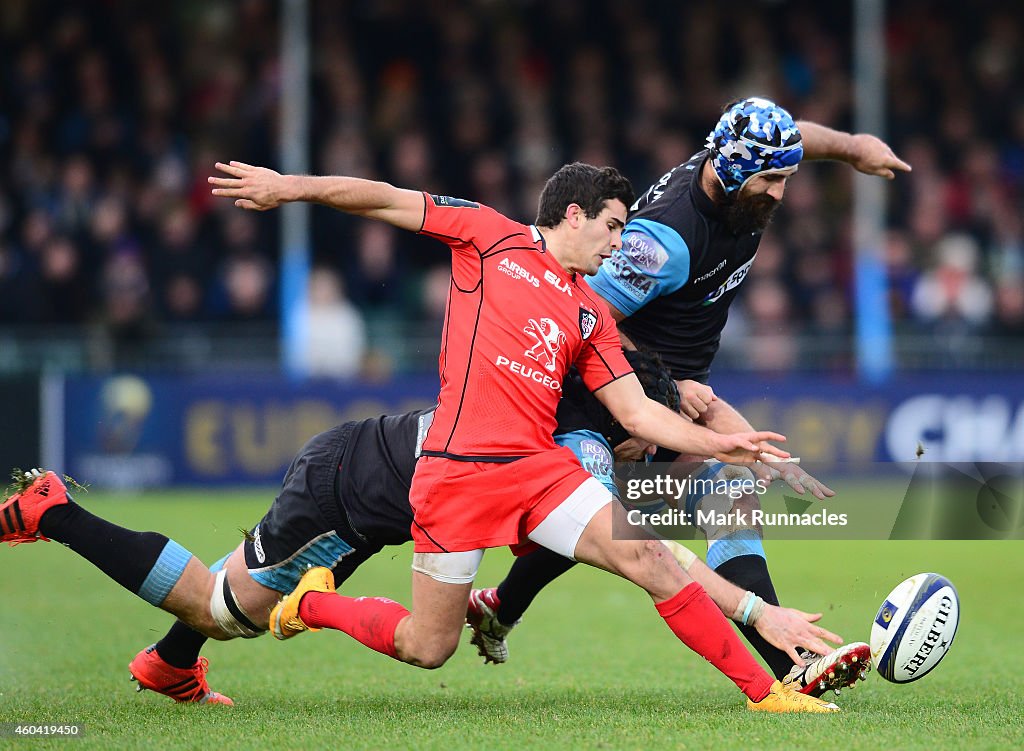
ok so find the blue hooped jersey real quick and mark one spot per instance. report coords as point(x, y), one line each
point(598, 459)
point(594, 454)
point(677, 272)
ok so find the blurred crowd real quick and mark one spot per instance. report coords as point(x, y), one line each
point(114, 113)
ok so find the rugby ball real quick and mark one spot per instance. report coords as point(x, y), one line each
point(915, 627)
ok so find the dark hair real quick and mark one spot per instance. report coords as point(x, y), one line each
point(583, 184)
point(578, 409)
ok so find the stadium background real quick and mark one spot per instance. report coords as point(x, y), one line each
point(140, 337)
point(134, 307)
point(141, 331)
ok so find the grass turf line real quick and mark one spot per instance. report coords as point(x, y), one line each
point(591, 667)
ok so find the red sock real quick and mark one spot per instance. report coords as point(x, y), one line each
point(369, 620)
point(700, 625)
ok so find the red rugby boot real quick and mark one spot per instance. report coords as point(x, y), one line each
point(38, 492)
point(187, 685)
point(839, 669)
point(489, 633)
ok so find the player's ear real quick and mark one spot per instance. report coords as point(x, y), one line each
point(574, 215)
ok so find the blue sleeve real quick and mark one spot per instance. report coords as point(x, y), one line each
point(594, 454)
point(654, 260)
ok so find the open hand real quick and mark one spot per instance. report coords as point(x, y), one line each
point(746, 448)
point(253, 188)
point(795, 477)
point(788, 628)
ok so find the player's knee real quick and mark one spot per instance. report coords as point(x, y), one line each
point(224, 618)
point(746, 504)
point(433, 653)
point(650, 564)
point(203, 622)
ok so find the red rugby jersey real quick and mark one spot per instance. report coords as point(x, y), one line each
point(514, 322)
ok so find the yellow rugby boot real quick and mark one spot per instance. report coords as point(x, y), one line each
point(284, 618)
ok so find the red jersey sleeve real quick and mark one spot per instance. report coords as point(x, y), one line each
point(601, 360)
point(466, 226)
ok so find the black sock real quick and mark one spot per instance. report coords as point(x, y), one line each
point(751, 572)
point(528, 576)
point(124, 555)
point(180, 646)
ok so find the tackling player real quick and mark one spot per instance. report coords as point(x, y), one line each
point(344, 497)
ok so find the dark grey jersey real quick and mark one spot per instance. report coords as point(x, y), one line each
point(677, 272)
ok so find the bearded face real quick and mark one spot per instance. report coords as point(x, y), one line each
point(744, 212)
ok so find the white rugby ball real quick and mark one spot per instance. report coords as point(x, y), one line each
point(915, 627)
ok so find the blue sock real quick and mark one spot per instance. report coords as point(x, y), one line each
point(145, 563)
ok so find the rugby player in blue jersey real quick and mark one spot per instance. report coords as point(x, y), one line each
point(687, 247)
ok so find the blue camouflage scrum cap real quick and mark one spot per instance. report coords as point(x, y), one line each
point(755, 135)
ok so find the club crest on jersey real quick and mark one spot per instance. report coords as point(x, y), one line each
point(548, 339)
point(587, 322)
point(450, 202)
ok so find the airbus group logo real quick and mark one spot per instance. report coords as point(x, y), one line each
point(514, 270)
point(548, 339)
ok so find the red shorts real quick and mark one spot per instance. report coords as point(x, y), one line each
point(461, 506)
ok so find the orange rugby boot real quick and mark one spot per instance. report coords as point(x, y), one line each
point(186, 685)
point(38, 492)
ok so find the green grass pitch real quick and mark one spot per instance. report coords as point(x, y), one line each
point(592, 666)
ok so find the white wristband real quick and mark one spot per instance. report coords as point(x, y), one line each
point(749, 609)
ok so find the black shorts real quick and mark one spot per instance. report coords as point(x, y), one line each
point(306, 526)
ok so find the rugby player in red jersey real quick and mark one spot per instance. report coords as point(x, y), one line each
point(519, 314)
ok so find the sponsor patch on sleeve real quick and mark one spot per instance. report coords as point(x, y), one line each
point(633, 283)
point(449, 202)
point(595, 458)
point(645, 253)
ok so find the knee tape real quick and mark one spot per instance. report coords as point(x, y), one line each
point(227, 613)
point(449, 568)
point(684, 556)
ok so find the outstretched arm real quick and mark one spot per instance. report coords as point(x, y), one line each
point(785, 628)
point(656, 423)
point(722, 417)
point(260, 188)
point(862, 151)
